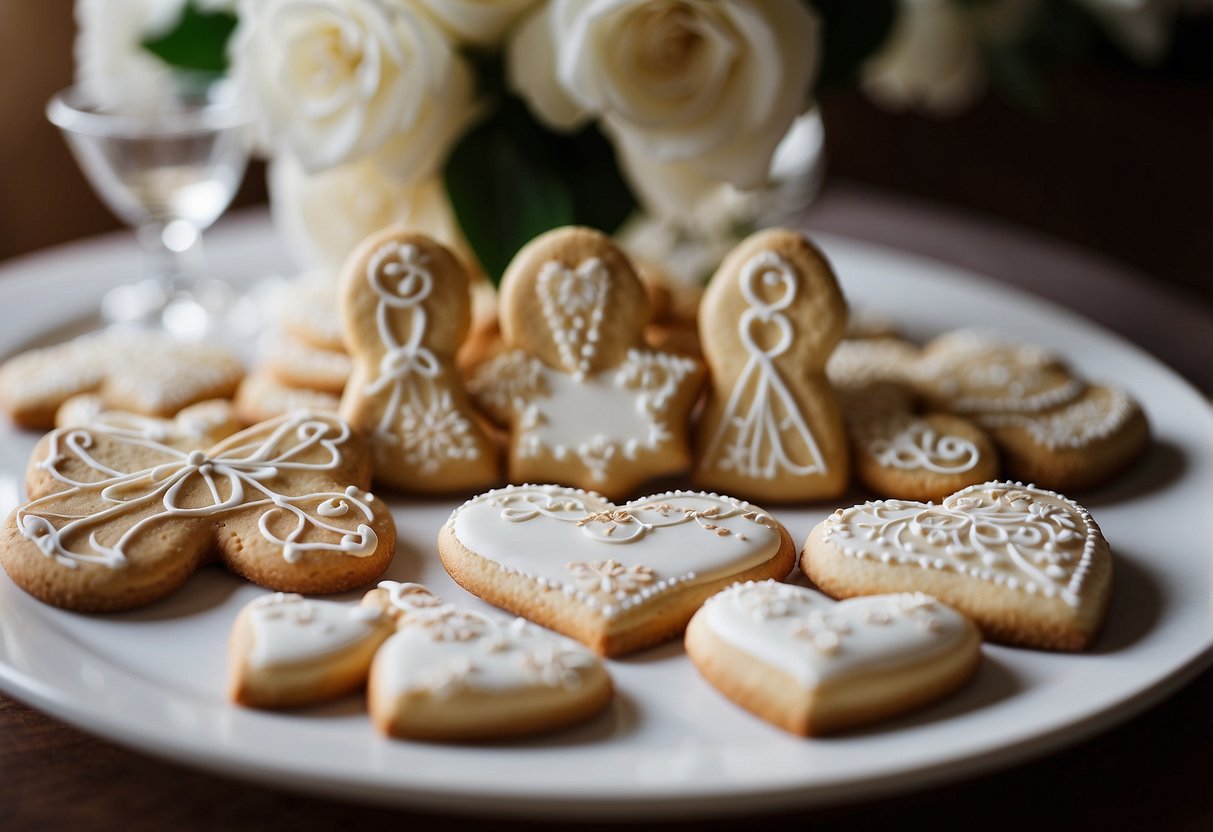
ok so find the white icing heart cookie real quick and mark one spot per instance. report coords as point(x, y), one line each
point(286, 650)
point(615, 577)
point(813, 666)
point(1029, 566)
point(452, 674)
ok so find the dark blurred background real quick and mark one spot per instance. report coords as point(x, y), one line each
point(1117, 159)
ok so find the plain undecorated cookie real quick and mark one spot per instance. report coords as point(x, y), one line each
point(261, 397)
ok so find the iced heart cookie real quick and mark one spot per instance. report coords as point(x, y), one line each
point(1051, 427)
point(262, 397)
point(451, 674)
point(586, 402)
point(614, 577)
point(287, 651)
point(138, 371)
point(116, 520)
point(814, 666)
point(1029, 566)
point(898, 452)
point(195, 426)
point(772, 428)
point(405, 307)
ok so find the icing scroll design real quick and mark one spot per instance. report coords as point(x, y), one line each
point(234, 480)
point(757, 449)
point(989, 534)
point(919, 448)
point(573, 302)
point(432, 431)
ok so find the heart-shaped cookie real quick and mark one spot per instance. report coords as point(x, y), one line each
point(1028, 565)
point(813, 666)
point(287, 651)
point(452, 674)
point(615, 577)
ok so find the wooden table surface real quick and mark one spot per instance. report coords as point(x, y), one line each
point(1153, 772)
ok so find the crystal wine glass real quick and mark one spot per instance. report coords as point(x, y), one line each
point(168, 166)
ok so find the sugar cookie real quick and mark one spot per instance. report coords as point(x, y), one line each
point(296, 363)
point(586, 402)
point(262, 397)
point(451, 674)
point(1028, 565)
point(771, 428)
point(307, 310)
point(815, 666)
point(198, 425)
point(405, 307)
point(117, 520)
point(141, 372)
point(897, 452)
point(287, 651)
point(615, 577)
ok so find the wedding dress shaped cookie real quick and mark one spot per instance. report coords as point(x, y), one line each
point(406, 307)
point(587, 404)
point(771, 428)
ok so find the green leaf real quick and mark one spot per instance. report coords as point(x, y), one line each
point(851, 31)
point(601, 197)
point(197, 43)
point(503, 189)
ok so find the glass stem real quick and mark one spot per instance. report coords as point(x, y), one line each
point(172, 254)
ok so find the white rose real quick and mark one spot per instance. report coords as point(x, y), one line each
point(109, 44)
point(713, 84)
point(324, 216)
point(479, 22)
point(334, 80)
point(934, 58)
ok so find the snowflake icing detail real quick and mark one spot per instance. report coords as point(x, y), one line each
point(434, 434)
point(611, 576)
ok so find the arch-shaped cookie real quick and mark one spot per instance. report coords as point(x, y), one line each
point(771, 428)
point(587, 403)
point(405, 308)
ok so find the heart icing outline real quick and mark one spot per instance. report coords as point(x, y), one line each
point(574, 561)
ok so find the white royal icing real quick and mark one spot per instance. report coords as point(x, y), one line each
point(573, 303)
point(234, 480)
point(813, 638)
point(418, 418)
point(288, 629)
point(1015, 536)
point(441, 650)
point(758, 423)
point(1097, 415)
point(914, 445)
point(981, 375)
point(600, 420)
point(611, 558)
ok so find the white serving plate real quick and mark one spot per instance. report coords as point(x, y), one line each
point(670, 745)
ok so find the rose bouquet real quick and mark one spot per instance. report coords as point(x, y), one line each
point(486, 122)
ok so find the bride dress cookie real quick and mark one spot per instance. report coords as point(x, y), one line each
point(615, 577)
point(1029, 566)
point(772, 428)
point(142, 372)
point(452, 674)
point(117, 519)
point(405, 304)
point(586, 402)
point(897, 452)
point(1050, 427)
point(815, 666)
